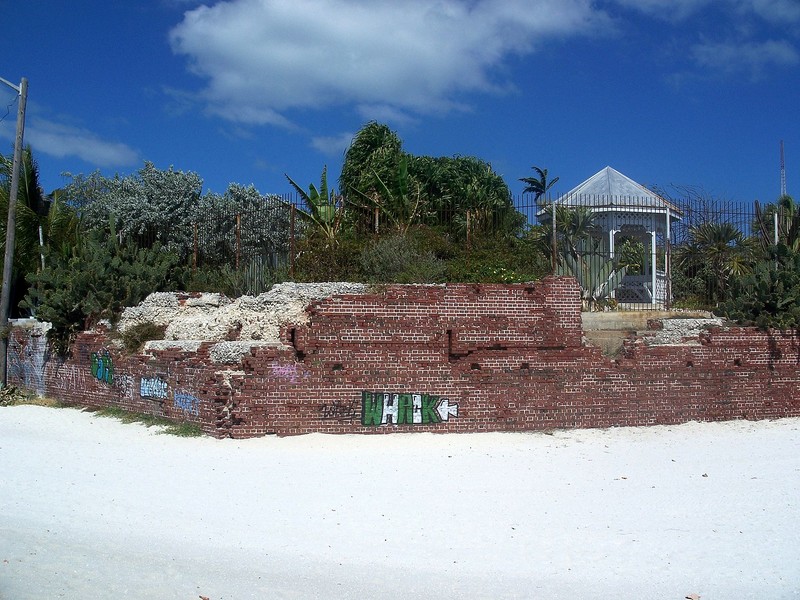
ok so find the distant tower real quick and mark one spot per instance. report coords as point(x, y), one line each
point(783, 173)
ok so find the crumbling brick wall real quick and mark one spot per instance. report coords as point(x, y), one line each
point(450, 358)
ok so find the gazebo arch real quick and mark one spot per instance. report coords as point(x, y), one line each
point(622, 208)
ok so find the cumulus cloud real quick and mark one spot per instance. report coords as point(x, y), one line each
point(262, 58)
point(61, 140)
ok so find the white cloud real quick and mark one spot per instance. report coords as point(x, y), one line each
point(672, 10)
point(751, 57)
point(386, 113)
point(61, 140)
point(775, 11)
point(333, 145)
point(780, 12)
point(747, 39)
point(261, 58)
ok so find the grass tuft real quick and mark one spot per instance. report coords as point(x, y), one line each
point(167, 426)
point(13, 396)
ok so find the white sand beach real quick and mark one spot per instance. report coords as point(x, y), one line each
point(93, 508)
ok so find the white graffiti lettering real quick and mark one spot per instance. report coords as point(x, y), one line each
point(152, 387)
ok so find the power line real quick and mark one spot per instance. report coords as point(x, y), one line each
point(8, 107)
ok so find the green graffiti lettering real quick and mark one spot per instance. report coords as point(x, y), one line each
point(109, 374)
point(429, 414)
point(405, 409)
point(371, 409)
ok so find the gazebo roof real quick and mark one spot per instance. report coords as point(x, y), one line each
point(609, 188)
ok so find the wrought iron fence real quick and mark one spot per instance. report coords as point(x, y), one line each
point(643, 253)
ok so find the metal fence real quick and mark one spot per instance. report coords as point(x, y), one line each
point(642, 253)
point(647, 252)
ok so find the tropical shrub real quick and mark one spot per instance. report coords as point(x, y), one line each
point(769, 296)
point(150, 206)
point(408, 190)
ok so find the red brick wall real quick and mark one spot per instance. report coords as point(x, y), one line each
point(455, 358)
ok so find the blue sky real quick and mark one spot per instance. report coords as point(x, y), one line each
point(669, 92)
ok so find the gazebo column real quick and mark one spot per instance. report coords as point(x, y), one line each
point(611, 234)
point(668, 265)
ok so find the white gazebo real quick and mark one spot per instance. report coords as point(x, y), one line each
point(623, 208)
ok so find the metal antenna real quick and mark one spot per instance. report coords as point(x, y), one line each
point(783, 172)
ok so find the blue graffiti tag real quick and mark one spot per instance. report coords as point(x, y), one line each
point(187, 403)
point(102, 367)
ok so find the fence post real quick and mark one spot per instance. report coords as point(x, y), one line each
point(377, 212)
point(238, 238)
point(667, 264)
point(291, 241)
point(469, 227)
point(555, 241)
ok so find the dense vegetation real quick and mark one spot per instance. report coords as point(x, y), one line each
point(99, 244)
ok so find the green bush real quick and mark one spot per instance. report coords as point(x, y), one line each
point(96, 281)
point(396, 259)
point(135, 337)
point(498, 260)
point(319, 260)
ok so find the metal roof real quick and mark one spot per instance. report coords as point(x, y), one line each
point(608, 188)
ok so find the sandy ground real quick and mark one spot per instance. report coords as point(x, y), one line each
point(92, 508)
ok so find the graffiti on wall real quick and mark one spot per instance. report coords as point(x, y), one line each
point(102, 366)
point(388, 408)
point(69, 377)
point(153, 387)
point(188, 403)
point(124, 385)
point(339, 411)
point(26, 361)
point(290, 372)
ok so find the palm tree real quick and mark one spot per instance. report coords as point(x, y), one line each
point(717, 252)
point(397, 197)
point(538, 186)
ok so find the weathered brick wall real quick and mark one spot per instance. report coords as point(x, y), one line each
point(455, 358)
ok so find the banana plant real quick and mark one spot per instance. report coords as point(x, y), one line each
point(398, 200)
point(324, 207)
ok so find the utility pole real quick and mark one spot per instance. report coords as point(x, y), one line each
point(11, 226)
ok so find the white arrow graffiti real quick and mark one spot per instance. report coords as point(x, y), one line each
point(446, 410)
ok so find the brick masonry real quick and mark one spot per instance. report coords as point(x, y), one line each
point(454, 358)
